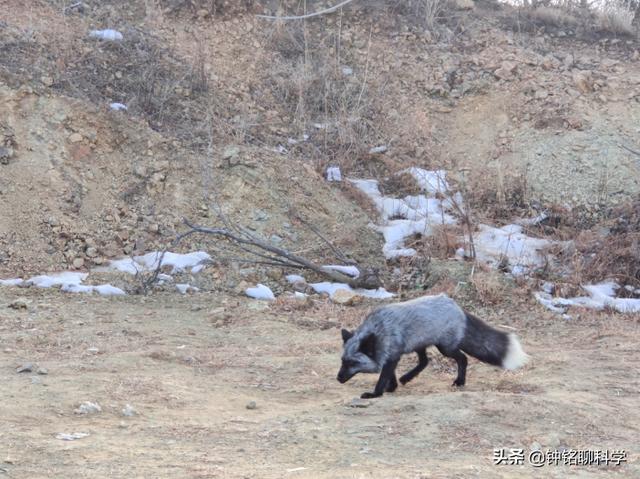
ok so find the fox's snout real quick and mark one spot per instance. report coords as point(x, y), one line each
point(343, 376)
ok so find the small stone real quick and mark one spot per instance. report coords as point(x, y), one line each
point(535, 446)
point(129, 411)
point(230, 152)
point(19, 304)
point(46, 81)
point(42, 371)
point(88, 407)
point(92, 252)
point(75, 138)
point(78, 263)
point(583, 81)
point(93, 350)
point(5, 154)
point(154, 228)
point(251, 405)
point(506, 70)
point(346, 297)
point(25, 368)
point(359, 403)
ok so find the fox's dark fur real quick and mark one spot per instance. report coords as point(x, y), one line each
point(396, 329)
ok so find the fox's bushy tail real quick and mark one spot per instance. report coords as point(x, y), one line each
point(492, 346)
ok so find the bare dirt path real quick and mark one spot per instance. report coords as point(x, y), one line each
point(190, 366)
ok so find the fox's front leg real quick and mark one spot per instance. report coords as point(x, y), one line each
point(387, 375)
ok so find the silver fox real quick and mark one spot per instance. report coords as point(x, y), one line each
point(401, 328)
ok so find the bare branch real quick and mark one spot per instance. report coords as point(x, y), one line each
point(283, 258)
point(309, 15)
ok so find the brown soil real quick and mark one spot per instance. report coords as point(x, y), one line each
point(190, 366)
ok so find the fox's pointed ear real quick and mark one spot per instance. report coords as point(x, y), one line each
point(368, 346)
point(346, 335)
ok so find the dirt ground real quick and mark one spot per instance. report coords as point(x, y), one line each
point(191, 365)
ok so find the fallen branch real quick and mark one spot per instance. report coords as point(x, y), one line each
point(630, 150)
point(281, 257)
point(309, 15)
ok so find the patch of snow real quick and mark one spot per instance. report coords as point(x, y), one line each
point(402, 218)
point(118, 106)
point(533, 221)
point(431, 182)
point(298, 294)
point(294, 278)
point(378, 149)
point(65, 436)
point(149, 262)
point(523, 252)
point(185, 288)
point(107, 34)
point(347, 71)
point(331, 288)
point(108, 290)
point(65, 278)
point(197, 268)
point(348, 270)
point(11, 282)
point(334, 174)
point(260, 292)
point(601, 295)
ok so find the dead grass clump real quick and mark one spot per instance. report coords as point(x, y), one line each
point(361, 199)
point(325, 95)
point(400, 185)
point(555, 16)
point(144, 75)
point(205, 8)
point(613, 251)
point(490, 287)
point(442, 243)
point(500, 196)
point(616, 19)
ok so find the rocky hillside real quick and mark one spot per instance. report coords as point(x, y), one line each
point(229, 112)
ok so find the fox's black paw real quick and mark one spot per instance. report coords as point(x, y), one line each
point(404, 380)
point(458, 383)
point(392, 387)
point(369, 395)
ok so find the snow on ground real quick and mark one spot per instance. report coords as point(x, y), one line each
point(331, 288)
point(601, 295)
point(294, 278)
point(69, 282)
point(108, 35)
point(148, 262)
point(185, 288)
point(348, 270)
point(402, 218)
point(523, 252)
point(260, 292)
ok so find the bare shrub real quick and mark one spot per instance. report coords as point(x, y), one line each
point(553, 16)
point(490, 287)
point(616, 19)
point(324, 101)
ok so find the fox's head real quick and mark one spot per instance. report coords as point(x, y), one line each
point(358, 356)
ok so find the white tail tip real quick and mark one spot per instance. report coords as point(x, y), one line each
point(515, 356)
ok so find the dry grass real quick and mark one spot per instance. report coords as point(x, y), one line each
point(555, 16)
point(490, 287)
point(324, 94)
point(615, 19)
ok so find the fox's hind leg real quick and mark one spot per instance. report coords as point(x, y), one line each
point(423, 360)
point(461, 359)
point(387, 376)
